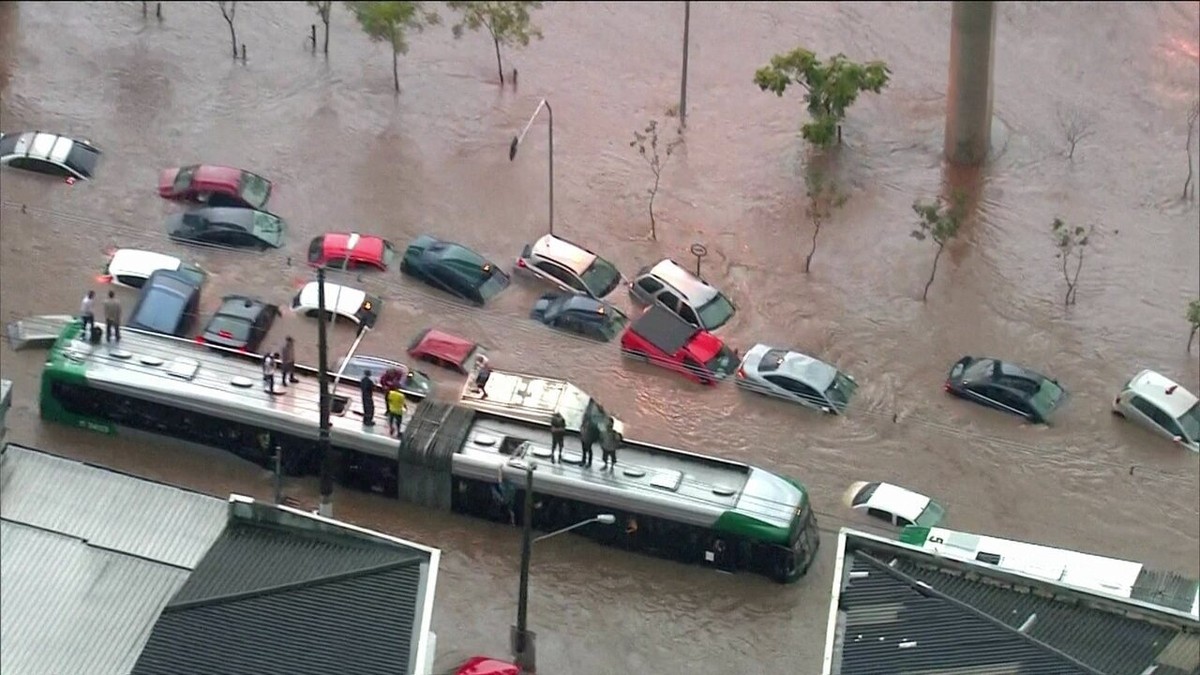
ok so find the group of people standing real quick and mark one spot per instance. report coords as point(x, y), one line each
point(112, 317)
point(284, 361)
point(393, 397)
point(589, 433)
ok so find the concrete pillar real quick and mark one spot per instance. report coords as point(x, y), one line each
point(969, 93)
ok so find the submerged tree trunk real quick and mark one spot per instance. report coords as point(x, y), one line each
point(1191, 337)
point(499, 66)
point(653, 194)
point(932, 272)
point(326, 21)
point(395, 71)
point(812, 251)
point(232, 37)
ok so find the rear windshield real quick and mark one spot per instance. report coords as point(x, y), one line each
point(161, 310)
point(1046, 398)
point(83, 159)
point(8, 144)
point(716, 313)
point(230, 327)
point(601, 277)
point(864, 495)
point(1190, 421)
point(841, 390)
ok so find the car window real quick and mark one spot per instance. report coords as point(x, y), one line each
point(559, 273)
point(693, 365)
point(650, 285)
point(1156, 415)
point(1190, 421)
point(19, 163)
point(669, 300)
point(688, 315)
point(902, 521)
point(880, 514)
point(799, 388)
point(50, 168)
point(131, 281)
point(771, 360)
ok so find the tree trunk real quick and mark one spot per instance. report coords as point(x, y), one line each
point(813, 250)
point(932, 272)
point(232, 36)
point(395, 71)
point(499, 66)
point(1187, 184)
point(326, 20)
point(653, 194)
point(1191, 337)
point(1072, 291)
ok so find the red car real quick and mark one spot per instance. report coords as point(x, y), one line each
point(215, 186)
point(661, 337)
point(485, 665)
point(444, 349)
point(349, 251)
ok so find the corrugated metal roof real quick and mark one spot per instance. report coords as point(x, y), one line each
point(90, 611)
point(109, 509)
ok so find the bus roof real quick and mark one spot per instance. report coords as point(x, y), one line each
point(532, 398)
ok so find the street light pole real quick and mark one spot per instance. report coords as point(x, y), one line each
point(327, 468)
point(687, 22)
point(512, 149)
point(524, 649)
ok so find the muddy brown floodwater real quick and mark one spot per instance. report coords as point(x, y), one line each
point(346, 153)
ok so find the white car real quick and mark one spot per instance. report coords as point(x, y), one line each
point(131, 267)
point(50, 154)
point(894, 505)
point(1162, 406)
point(343, 301)
point(795, 377)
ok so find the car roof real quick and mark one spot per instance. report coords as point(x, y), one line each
point(235, 305)
point(1153, 387)
point(434, 342)
point(49, 146)
point(900, 501)
point(664, 329)
point(696, 290)
point(1008, 369)
point(800, 367)
point(212, 173)
point(227, 215)
point(340, 244)
point(339, 299)
point(132, 261)
point(566, 253)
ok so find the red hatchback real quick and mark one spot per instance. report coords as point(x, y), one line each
point(444, 349)
point(350, 251)
point(215, 186)
point(660, 337)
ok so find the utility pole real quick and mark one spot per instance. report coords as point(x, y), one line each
point(516, 141)
point(327, 459)
point(969, 92)
point(687, 22)
point(523, 640)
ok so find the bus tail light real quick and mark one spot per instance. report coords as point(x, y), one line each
point(200, 340)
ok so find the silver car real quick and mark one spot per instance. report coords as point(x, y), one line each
point(796, 377)
point(569, 266)
point(1162, 406)
point(695, 300)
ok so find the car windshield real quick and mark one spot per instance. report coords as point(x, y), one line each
point(1190, 421)
point(841, 390)
point(230, 327)
point(716, 312)
point(254, 189)
point(932, 515)
point(184, 178)
point(495, 283)
point(724, 362)
point(161, 309)
point(601, 277)
point(1046, 398)
point(267, 227)
point(617, 321)
point(83, 159)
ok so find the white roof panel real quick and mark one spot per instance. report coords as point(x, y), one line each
point(340, 299)
point(900, 501)
point(132, 261)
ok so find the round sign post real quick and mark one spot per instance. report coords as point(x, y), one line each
point(698, 250)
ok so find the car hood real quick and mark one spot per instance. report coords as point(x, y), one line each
point(166, 180)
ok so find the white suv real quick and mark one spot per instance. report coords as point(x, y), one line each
point(569, 266)
point(687, 295)
point(1162, 406)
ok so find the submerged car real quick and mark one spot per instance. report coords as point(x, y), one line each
point(51, 154)
point(168, 304)
point(1159, 404)
point(796, 377)
point(444, 349)
point(241, 323)
point(569, 266)
point(579, 314)
point(131, 267)
point(1006, 387)
point(215, 186)
point(454, 268)
point(351, 251)
point(412, 381)
point(662, 338)
point(696, 301)
point(894, 505)
point(348, 303)
point(227, 226)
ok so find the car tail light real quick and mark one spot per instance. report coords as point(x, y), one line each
point(521, 263)
point(741, 373)
point(225, 334)
point(243, 350)
point(946, 387)
point(104, 279)
point(200, 339)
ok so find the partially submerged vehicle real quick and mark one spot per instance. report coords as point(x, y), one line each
point(444, 349)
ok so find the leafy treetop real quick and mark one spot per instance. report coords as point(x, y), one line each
point(508, 23)
point(389, 21)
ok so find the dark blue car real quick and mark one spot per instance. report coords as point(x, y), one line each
point(580, 314)
point(168, 304)
point(454, 268)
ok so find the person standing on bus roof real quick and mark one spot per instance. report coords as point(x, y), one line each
point(268, 368)
point(558, 429)
point(87, 312)
point(483, 373)
point(395, 407)
point(608, 446)
point(588, 434)
point(112, 318)
point(367, 385)
point(287, 362)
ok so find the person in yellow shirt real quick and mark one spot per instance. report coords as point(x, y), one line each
point(395, 408)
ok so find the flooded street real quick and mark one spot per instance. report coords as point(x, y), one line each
point(345, 153)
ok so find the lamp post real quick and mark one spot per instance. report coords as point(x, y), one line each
point(326, 506)
point(522, 639)
point(687, 23)
point(516, 141)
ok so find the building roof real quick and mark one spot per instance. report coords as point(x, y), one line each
point(899, 609)
point(149, 578)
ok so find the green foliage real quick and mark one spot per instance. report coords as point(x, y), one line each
point(1193, 317)
point(830, 87)
point(824, 197)
point(1071, 243)
point(647, 144)
point(508, 23)
point(389, 21)
point(938, 222)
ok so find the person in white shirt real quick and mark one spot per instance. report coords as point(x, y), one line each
point(268, 366)
point(87, 312)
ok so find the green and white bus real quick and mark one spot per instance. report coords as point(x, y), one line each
point(470, 460)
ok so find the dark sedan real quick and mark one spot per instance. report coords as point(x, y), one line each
point(454, 268)
point(227, 226)
point(1006, 387)
point(239, 323)
point(579, 314)
point(168, 303)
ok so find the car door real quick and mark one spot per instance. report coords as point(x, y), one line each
point(984, 394)
point(1153, 418)
point(693, 369)
point(880, 514)
point(646, 288)
point(797, 391)
point(688, 314)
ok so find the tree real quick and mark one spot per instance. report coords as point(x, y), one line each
point(1071, 243)
point(646, 142)
point(228, 10)
point(939, 222)
point(508, 23)
point(1193, 317)
point(1075, 127)
point(323, 7)
point(389, 21)
point(823, 197)
point(1193, 116)
point(830, 87)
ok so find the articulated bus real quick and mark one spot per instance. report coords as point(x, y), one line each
point(1110, 576)
point(468, 456)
